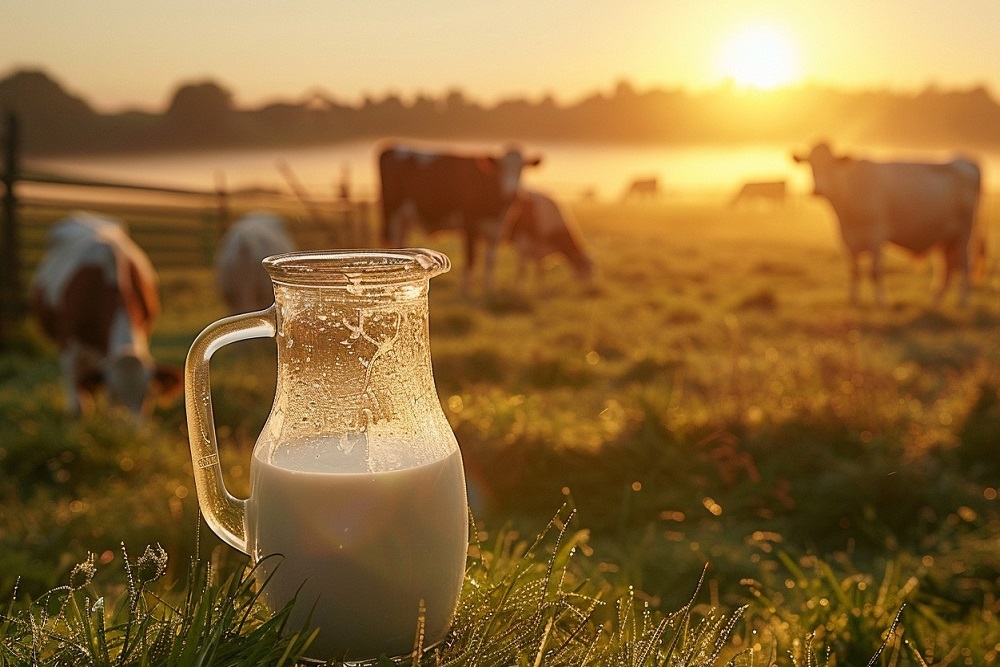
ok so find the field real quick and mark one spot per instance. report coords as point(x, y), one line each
point(711, 402)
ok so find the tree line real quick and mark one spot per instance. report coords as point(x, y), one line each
point(203, 115)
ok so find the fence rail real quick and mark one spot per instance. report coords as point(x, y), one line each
point(177, 227)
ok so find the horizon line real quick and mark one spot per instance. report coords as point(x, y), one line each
point(317, 91)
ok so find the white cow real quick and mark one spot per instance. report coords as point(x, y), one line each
point(241, 279)
point(916, 206)
point(95, 294)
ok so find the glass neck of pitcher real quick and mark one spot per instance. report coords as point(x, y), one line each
point(348, 359)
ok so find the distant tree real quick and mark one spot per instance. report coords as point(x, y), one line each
point(624, 90)
point(203, 114)
point(200, 99)
point(455, 100)
point(200, 114)
point(51, 119)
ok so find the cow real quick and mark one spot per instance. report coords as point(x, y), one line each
point(95, 294)
point(643, 188)
point(916, 206)
point(441, 191)
point(774, 191)
point(240, 277)
point(539, 227)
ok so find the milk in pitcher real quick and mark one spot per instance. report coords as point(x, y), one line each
point(363, 551)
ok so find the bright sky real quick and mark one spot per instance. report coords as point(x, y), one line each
point(122, 53)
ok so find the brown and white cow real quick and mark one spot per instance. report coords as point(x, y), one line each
point(539, 227)
point(240, 277)
point(95, 294)
point(440, 191)
point(916, 206)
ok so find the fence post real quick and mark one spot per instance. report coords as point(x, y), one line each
point(223, 216)
point(222, 199)
point(11, 296)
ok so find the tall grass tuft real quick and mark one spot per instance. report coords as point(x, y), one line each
point(214, 622)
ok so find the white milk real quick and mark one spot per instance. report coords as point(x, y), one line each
point(365, 548)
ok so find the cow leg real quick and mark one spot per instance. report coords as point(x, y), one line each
point(489, 263)
point(69, 359)
point(956, 257)
point(526, 256)
point(522, 265)
point(876, 271)
point(470, 262)
point(963, 262)
point(855, 276)
point(397, 227)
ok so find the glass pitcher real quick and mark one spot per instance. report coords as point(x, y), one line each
point(356, 478)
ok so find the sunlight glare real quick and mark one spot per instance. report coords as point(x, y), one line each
point(759, 56)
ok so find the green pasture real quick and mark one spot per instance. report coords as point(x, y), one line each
point(709, 409)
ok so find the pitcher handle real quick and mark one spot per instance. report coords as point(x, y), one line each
point(224, 513)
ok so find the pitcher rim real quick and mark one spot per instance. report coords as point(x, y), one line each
point(356, 266)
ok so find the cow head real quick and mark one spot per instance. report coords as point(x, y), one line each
point(131, 381)
point(510, 166)
point(823, 163)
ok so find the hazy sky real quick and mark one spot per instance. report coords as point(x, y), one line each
point(120, 53)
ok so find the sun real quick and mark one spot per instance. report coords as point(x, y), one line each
point(759, 56)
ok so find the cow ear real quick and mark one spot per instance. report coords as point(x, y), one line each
point(533, 162)
point(168, 382)
point(798, 158)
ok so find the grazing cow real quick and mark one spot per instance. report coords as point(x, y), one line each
point(774, 191)
point(95, 294)
point(643, 188)
point(540, 227)
point(470, 193)
point(917, 206)
point(240, 277)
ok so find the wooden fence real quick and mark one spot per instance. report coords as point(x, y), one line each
point(176, 227)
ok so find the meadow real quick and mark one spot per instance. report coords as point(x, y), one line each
point(710, 408)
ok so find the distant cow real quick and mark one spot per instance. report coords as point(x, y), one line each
point(774, 191)
point(469, 193)
point(95, 294)
point(643, 188)
point(240, 277)
point(540, 227)
point(916, 206)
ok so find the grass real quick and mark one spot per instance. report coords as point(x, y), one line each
point(522, 604)
point(711, 409)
